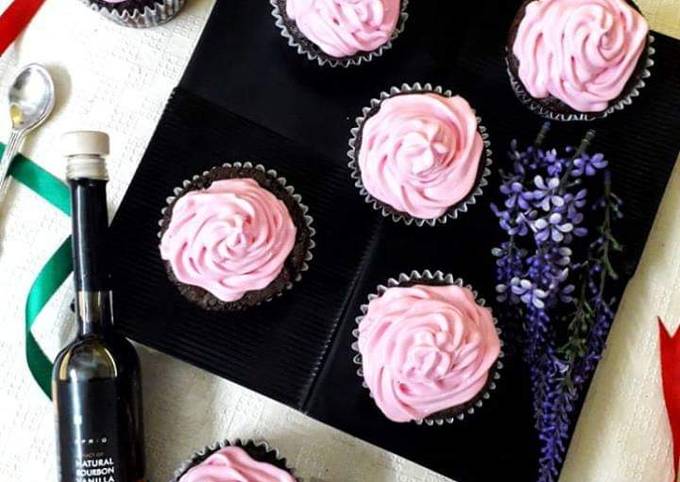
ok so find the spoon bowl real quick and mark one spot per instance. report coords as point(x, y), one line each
point(31, 98)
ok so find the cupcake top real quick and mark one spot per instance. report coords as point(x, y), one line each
point(342, 28)
point(230, 238)
point(233, 464)
point(582, 52)
point(420, 153)
point(426, 349)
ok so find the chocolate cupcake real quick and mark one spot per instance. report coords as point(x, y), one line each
point(337, 32)
point(419, 154)
point(578, 59)
point(240, 460)
point(137, 13)
point(429, 350)
point(235, 236)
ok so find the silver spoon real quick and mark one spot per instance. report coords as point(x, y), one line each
point(31, 99)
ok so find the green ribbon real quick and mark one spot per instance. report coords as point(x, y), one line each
point(55, 271)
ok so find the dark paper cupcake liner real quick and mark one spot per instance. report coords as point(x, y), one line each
point(159, 13)
point(320, 57)
point(536, 107)
point(259, 450)
point(354, 146)
point(436, 278)
point(272, 174)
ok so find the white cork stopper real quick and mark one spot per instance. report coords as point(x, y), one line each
point(85, 151)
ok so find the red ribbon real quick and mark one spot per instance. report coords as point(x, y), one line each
point(670, 377)
point(14, 19)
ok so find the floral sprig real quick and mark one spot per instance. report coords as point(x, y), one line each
point(552, 276)
point(594, 275)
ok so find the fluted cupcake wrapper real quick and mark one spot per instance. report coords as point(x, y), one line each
point(322, 58)
point(151, 16)
point(271, 173)
point(271, 456)
point(436, 278)
point(354, 147)
point(536, 107)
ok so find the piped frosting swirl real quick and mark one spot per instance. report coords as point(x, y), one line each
point(342, 28)
point(233, 464)
point(230, 238)
point(582, 52)
point(425, 349)
point(420, 153)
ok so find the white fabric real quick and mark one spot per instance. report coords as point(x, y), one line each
point(118, 80)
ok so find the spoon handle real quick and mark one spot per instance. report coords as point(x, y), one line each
point(11, 150)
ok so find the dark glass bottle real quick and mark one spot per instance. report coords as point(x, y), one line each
point(96, 379)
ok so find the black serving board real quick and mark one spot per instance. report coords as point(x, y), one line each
point(247, 96)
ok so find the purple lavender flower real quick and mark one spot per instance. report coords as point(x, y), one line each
point(543, 276)
point(528, 292)
point(511, 222)
point(563, 256)
point(546, 193)
point(516, 195)
point(588, 165)
point(566, 293)
point(554, 164)
point(554, 227)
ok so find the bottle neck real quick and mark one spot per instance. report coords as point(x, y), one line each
point(94, 312)
point(90, 255)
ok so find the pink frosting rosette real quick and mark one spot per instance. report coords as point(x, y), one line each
point(230, 238)
point(426, 349)
point(340, 32)
point(582, 52)
point(342, 28)
point(237, 461)
point(233, 464)
point(422, 153)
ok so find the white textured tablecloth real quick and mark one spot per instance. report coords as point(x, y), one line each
point(118, 80)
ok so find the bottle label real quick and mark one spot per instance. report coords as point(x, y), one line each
point(88, 428)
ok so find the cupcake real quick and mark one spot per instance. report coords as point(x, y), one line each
point(235, 236)
point(338, 32)
point(428, 348)
point(578, 59)
point(419, 154)
point(226, 462)
point(137, 13)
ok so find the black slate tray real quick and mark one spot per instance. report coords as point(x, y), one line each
point(247, 96)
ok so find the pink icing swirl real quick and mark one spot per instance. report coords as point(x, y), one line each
point(341, 28)
point(425, 349)
point(233, 464)
point(228, 239)
point(583, 52)
point(420, 153)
